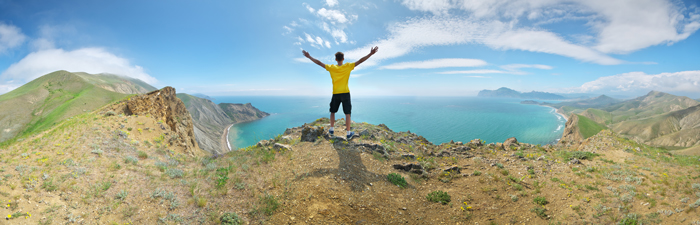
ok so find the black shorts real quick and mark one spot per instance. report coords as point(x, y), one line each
point(341, 98)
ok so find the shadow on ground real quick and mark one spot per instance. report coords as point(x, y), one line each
point(350, 167)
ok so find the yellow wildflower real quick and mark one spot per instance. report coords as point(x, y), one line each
point(9, 216)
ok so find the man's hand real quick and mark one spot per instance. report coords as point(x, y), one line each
point(312, 59)
point(371, 52)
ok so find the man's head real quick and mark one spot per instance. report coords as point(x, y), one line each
point(339, 56)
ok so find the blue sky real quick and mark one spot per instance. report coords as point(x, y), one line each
point(441, 47)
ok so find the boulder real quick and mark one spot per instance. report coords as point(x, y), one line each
point(510, 142)
point(410, 167)
point(452, 169)
point(476, 142)
point(281, 148)
point(311, 133)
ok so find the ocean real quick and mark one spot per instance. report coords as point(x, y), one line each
point(438, 119)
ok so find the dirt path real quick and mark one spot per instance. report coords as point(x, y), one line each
point(224, 140)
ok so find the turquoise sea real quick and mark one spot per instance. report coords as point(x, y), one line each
point(439, 119)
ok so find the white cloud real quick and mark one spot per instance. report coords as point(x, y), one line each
point(616, 27)
point(308, 7)
point(287, 29)
point(685, 81)
point(302, 60)
point(520, 66)
point(331, 3)
point(10, 37)
point(450, 30)
point(332, 15)
point(317, 41)
point(473, 72)
point(507, 69)
point(436, 63)
point(90, 60)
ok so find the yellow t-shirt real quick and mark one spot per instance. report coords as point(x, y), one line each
point(340, 76)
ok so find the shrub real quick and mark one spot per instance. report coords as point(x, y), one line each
point(439, 196)
point(269, 204)
point(230, 219)
point(142, 155)
point(541, 212)
point(397, 180)
point(174, 173)
point(131, 159)
point(540, 200)
point(476, 173)
point(582, 155)
point(122, 195)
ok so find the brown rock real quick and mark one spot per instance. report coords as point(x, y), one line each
point(164, 106)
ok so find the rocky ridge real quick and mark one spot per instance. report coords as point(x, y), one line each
point(163, 105)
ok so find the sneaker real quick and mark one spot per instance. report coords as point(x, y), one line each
point(350, 134)
point(330, 131)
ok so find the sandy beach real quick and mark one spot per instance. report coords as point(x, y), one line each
point(224, 139)
point(558, 112)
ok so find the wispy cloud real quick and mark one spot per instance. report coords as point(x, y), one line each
point(10, 37)
point(617, 27)
point(684, 81)
point(473, 72)
point(507, 69)
point(436, 63)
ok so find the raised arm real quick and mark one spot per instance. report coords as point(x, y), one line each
point(313, 60)
point(371, 52)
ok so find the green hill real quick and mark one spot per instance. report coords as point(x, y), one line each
point(588, 127)
point(56, 96)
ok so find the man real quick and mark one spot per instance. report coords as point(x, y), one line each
point(340, 74)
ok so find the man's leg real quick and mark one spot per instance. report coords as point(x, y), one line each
point(332, 119)
point(347, 122)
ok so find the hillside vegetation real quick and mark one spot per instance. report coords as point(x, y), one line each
point(588, 127)
point(658, 119)
point(108, 167)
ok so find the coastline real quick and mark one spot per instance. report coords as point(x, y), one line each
point(558, 112)
point(227, 148)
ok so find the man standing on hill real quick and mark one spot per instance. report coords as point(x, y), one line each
point(341, 93)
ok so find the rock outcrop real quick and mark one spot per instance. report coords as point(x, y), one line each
point(164, 106)
point(571, 134)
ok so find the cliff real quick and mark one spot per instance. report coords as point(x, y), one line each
point(571, 134)
point(164, 106)
point(240, 113)
point(210, 121)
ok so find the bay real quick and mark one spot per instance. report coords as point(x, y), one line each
point(438, 119)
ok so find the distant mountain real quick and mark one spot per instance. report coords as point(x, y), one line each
point(651, 104)
point(678, 128)
point(41, 103)
point(200, 95)
point(240, 113)
point(510, 93)
point(116, 83)
point(578, 106)
point(656, 118)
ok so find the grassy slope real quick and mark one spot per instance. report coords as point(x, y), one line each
point(68, 95)
point(133, 181)
point(588, 127)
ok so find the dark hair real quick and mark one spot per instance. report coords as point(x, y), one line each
point(339, 56)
